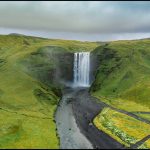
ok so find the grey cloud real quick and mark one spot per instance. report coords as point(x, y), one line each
point(78, 17)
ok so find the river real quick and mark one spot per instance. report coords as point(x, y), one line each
point(67, 128)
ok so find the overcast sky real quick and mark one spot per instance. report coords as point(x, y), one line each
point(95, 21)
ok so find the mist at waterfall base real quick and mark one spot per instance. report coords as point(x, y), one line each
point(81, 75)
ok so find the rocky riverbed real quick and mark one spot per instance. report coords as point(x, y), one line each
point(68, 130)
point(74, 118)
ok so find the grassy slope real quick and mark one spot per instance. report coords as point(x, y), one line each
point(27, 105)
point(123, 77)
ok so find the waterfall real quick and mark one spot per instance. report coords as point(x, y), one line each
point(82, 69)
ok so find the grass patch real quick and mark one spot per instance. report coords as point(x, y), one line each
point(45, 97)
point(18, 131)
point(145, 145)
point(2, 62)
point(121, 127)
point(123, 104)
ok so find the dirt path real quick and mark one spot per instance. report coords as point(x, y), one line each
point(140, 112)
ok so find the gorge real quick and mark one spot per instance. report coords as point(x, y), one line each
point(73, 94)
point(68, 130)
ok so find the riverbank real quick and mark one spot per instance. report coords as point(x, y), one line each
point(85, 108)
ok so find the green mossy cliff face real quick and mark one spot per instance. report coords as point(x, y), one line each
point(51, 65)
point(123, 72)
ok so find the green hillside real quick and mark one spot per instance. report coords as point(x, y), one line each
point(28, 94)
point(123, 81)
point(123, 75)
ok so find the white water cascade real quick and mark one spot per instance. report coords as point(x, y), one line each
point(82, 69)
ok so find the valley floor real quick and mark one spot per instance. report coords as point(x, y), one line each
point(85, 109)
